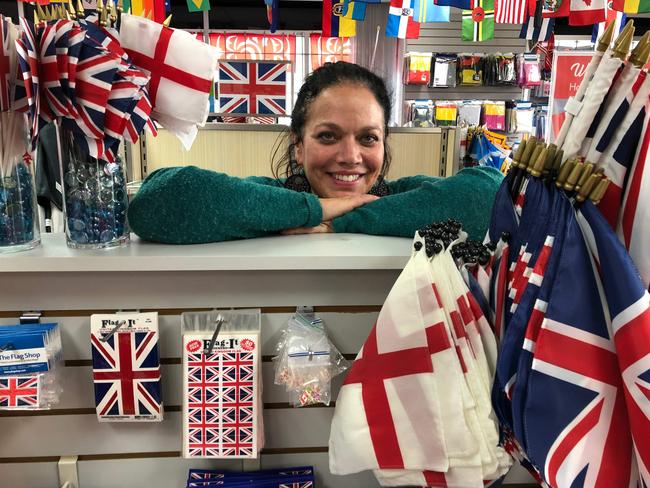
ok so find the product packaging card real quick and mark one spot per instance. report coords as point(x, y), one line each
point(126, 367)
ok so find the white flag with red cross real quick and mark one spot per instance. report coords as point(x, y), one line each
point(181, 69)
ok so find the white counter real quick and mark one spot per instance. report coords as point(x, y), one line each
point(301, 252)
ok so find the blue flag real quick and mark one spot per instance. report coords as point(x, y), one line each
point(429, 11)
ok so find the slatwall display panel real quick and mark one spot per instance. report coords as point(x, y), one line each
point(28, 475)
point(81, 434)
point(445, 37)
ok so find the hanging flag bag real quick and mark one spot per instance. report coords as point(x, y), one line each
point(307, 361)
point(30, 358)
point(443, 69)
point(418, 68)
point(471, 69)
point(222, 401)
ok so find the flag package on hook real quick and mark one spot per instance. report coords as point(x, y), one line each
point(30, 356)
point(298, 477)
point(126, 367)
point(222, 401)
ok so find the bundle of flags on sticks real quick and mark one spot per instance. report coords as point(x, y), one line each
point(415, 406)
point(571, 312)
point(103, 85)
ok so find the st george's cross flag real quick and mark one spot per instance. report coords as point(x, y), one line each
point(478, 23)
point(126, 367)
point(19, 392)
point(401, 23)
point(255, 88)
point(181, 69)
point(221, 404)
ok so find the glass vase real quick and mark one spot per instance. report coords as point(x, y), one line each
point(94, 196)
point(19, 227)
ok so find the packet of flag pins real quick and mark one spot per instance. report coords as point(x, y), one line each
point(222, 401)
point(298, 477)
point(30, 357)
point(126, 367)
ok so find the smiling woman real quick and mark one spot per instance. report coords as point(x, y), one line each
point(329, 178)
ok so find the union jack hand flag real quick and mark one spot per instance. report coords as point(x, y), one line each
point(126, 372)
point(252, 88)
point(17, 392)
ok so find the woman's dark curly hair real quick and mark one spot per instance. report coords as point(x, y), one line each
point(330, 74)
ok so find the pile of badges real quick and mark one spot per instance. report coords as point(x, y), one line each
point(30, 355)
point(126, 367)
point(298, 477)
point(307, 360)
point(222, 403)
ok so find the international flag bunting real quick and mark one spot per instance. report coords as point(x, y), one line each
point(537, 33)
point(429, 11)
point(198, 5)
point(126, 367)
point(272, 10)
point(478, 23)
point(354, 10)
point(462, 4)
point(334, 23)
point(510, 11)
point(400, 20)
point(632, 6)
point(221, 400)
point(254, 88)
point(586, 12)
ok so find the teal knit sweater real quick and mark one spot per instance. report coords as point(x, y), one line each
point(189, 205)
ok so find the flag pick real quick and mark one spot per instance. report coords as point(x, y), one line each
point(565, 170)
point(599, 192)
point(167, 21)
point(588, 187)
point(587, 171)
point(606, 39)
point(73, 12)
point(574, 176)
point(641, 52)
point(623, 42)
point(40, 12)
point(80, 8)
point(100, 6)
point(36, 19)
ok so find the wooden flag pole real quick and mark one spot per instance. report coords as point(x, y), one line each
point(374, 49)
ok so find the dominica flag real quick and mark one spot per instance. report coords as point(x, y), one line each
point(478, 23)
point(632, 6)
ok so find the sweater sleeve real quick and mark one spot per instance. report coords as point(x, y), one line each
point(466, 197)
point(189, 205)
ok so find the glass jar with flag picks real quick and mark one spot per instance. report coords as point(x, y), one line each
point(94, 194)
point(19, 229)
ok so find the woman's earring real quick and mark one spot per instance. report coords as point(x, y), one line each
point(298, 182)
point(380, 188)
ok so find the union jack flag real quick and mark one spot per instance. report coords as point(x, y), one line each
point(126, 372)
point(252, 87)
point(220, 407)
point(19, 392)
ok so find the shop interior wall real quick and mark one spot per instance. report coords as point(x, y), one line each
point(444, 37)
point(247, 151)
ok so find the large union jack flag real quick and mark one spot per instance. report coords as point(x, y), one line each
point(126, 372)
point(220, 407)
point(19, 392)
point(252, 88)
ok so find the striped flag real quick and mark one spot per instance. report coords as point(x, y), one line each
point(632, 6)
point(428, 11)
point(334, 23)
point(537, 33)
point(478, 23)
point(510, 11)
point(619, 18)
point(400, 20)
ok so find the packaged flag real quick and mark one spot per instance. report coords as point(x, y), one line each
point(126, 367)
point(221, 401)
point(30, 357)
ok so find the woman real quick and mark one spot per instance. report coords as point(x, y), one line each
point(335, 161)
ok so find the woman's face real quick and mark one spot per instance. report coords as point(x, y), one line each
point(342, 149)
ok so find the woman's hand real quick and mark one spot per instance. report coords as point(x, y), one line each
point(335, 207)
point(332, 208)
